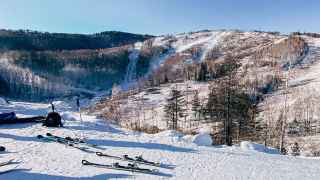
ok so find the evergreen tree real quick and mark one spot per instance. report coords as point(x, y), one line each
point(228, 103)
point(213, 105)
point(196, 107)
point(174, 108)
point(203, 72)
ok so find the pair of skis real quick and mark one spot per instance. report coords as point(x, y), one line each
point(136, 160)
point(75, 141)
point(71, 142)
point(132, 166)
point(64, 142)
point(117, 166)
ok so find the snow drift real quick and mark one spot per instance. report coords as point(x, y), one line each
point(251, 146)
point(203, 139)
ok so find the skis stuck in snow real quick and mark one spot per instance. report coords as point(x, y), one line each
point(117, 166)
point(137, 160)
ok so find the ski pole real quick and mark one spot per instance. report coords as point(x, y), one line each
point(81, 120)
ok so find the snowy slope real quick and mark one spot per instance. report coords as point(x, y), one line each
point(54, 161)
point(303, 97)
point(303, 82)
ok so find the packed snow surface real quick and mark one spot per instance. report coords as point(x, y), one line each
point(52, 161)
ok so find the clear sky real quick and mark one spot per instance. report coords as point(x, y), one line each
point(159, 16)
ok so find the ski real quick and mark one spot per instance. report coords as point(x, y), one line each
point(10, 170)
point(75, 141)
point(61, 141)
point(8, 163)
point(138, 160)
point(117, 166)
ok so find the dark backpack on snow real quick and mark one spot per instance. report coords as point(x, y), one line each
point(53, 120)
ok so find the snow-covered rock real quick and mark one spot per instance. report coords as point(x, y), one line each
point(251, 146)
point(203, 139)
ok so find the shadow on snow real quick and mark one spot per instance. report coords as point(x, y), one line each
point(23, 174)
point(146, 145)
point(112, 143)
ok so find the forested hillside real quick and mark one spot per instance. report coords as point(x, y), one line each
point(36, 65)
point(38, 41)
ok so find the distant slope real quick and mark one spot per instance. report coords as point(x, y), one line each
point(33, 40)
point(34, 65)
point(34, 75)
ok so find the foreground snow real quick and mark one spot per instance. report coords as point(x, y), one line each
point(53, 161)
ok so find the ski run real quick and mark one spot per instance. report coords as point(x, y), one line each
point(178, 156)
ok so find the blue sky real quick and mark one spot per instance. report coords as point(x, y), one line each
point(159, 16)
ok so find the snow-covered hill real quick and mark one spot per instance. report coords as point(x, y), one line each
point(167, 62)
point(267, 61)
point(53, 161)
point(263, 56)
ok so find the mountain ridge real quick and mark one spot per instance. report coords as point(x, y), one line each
point(39, 41)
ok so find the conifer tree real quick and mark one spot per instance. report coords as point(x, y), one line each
point(228, 103)
point(196, 107)
point(174, 108)
point(203, 72)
